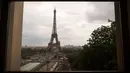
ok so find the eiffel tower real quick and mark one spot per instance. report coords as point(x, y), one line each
point(54, 35)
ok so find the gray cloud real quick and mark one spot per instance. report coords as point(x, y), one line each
point(75, 21)
point(34, 40)
point(103, 11)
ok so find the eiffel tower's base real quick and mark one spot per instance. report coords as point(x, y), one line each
point(56, 45)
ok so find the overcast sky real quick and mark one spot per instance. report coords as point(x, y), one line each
point(75, 21)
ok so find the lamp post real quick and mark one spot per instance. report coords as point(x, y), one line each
point(110, 20)
point(47, 64)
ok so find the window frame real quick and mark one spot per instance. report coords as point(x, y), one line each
point(13, 54)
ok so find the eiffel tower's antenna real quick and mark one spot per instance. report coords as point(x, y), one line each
point(54, 7)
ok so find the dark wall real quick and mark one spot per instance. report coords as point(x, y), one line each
point(128, 49)
point(3, 26)
point(125, 14)
point(128, 10)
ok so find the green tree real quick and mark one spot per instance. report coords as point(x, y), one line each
point(100, 51)
point(26, 52)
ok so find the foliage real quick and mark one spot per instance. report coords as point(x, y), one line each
point(100, 51)
point(70, 50)
point(27, 52)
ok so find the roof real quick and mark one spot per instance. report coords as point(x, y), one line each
point(29, 66)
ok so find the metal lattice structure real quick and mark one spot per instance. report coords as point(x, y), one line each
point(54, 35)
point(54, 62)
